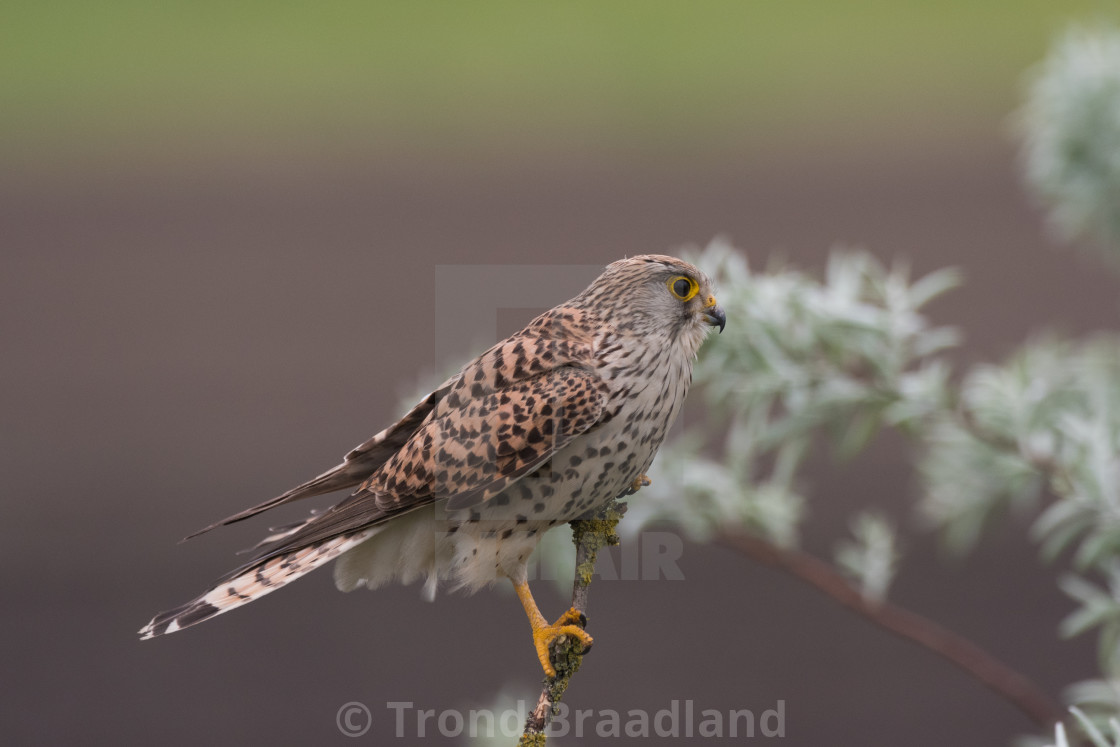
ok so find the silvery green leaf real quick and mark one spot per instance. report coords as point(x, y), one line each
point(1059, 525)
point(1071, 132)
point(858, 431)
point(871, 556)
point(1091, 730)
point(933, 285)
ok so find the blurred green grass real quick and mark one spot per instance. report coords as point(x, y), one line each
point(84, 74)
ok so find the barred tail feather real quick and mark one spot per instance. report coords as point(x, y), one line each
point(252, 582)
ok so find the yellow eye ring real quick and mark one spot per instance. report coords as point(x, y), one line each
point(683, 287)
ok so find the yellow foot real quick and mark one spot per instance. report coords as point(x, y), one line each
point(569, 625)
point(642, 481)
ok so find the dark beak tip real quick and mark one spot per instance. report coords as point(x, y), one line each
point(716, 317)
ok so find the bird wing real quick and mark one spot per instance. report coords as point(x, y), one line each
point(358, 465)
point(466, 457)
point(554, 339)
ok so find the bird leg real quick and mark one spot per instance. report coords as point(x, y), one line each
point(570, 624)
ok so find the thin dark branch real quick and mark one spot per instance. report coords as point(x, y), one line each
point(589, 535)
point(1009, 684)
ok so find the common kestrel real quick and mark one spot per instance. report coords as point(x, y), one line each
point(539, 430)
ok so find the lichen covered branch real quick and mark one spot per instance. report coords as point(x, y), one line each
point(590, 535)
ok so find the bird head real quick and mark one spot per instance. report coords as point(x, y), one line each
point(653, 294)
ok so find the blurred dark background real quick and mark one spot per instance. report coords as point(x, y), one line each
point(220, 228)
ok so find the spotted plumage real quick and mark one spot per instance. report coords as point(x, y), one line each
point(539, 430)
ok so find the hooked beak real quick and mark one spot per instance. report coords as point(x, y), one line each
point(714, 315)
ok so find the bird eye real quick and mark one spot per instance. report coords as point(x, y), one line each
point(683, 287)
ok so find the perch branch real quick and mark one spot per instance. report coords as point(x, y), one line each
point(1009, 684)
point(590, 535)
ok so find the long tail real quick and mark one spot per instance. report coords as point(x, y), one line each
point(253, 581)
